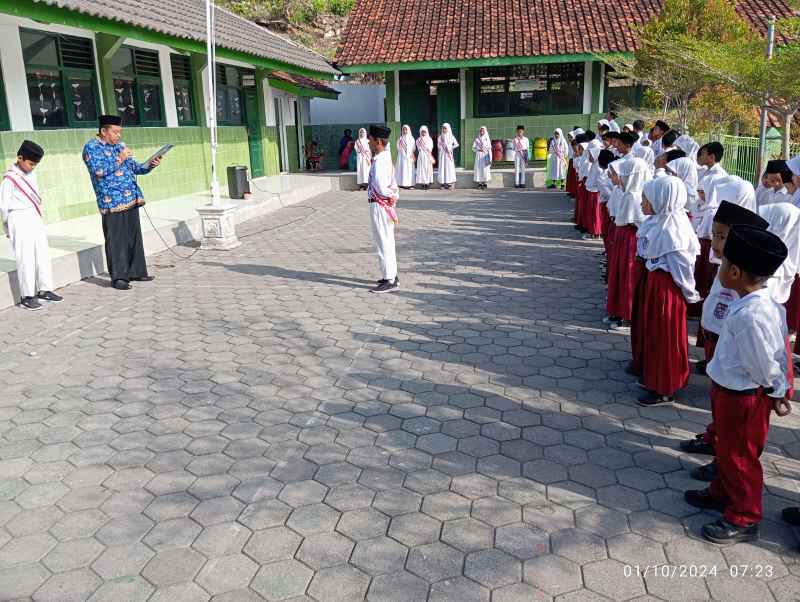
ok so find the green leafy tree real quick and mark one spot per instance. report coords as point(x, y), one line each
point(675, 82)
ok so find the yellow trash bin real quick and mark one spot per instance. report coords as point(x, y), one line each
point(540, 149)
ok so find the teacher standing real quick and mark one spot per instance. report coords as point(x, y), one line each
point(113, 172)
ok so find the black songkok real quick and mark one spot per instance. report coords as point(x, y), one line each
point(755, 250)
point(30, 151)
point(732, 214)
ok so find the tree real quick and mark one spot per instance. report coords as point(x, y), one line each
point(718, 109)
point(744, 67)
point(675, 83)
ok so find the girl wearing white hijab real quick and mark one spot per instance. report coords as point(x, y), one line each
point(482, 147)
point(425, 159)
point(557, 157)
point(669, 246)
point(794, 166)
point(784, 222)
point(404, 169)
point(688, 145)
point(630, 174)
point(447, 162)
point(685, 169)
point(363, 159)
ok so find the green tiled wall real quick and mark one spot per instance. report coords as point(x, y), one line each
point(506, 127)
point(65, 183)
point(328, 137)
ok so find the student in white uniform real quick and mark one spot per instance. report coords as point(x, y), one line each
point(709, 156)
point(363, 159)
point(521, 156)
point(383, 196)
point(447, 162)
point(749, 382)
point(21, 213)
point(794, 167)
point(558, 156)
point(405, 159)
point(482, 147)
point(425, 158)
point(613, 126)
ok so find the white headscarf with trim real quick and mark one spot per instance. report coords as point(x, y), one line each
point(669, 229)
point(784, 222)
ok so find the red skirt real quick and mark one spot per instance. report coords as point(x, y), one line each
point(622, 273)
point(704, 273)
point(594, 220)
point(609, 241)
point(572, 180)
point(605, 224)
point(665, 368)
point(793, 306)
point(638, 336)
point(580, 200)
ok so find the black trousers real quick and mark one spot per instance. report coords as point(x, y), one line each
point(124, 248)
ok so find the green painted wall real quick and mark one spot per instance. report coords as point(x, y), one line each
point(65, 183)
point(291, 146)
point(505, 127)
point(269, 142)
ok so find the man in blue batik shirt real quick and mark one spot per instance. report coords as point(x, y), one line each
point(113, 172)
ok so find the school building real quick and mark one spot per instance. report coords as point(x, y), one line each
point(65, 62)
point(500, 63)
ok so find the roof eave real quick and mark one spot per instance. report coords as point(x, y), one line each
point(479, 62)
point(299, 90)
point(62, 16)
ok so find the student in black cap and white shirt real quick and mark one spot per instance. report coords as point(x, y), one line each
point(749, 380)
point(21, 212)
point(383, 195)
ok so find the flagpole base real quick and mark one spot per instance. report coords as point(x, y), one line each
point(219, 228)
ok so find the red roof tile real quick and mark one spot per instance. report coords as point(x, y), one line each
point(302, 82)
point(401, 31)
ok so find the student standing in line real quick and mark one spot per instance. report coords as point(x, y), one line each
point(363, 158)
point(447, 163)
point(425, 158)
point(405, 159)
point(669, 246)
point(482, 147)
point(22, 216)
point(383, 196)
point(521, 156)
point(558, 153)
point(748, 381)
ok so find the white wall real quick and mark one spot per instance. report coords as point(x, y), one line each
point(357, 104)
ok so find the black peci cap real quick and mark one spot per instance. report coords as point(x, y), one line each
point(755, 250)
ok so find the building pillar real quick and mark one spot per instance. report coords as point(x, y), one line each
point(15, 79)
point(587, 87)
point(107, 46)
point(597, 87)
point(197, 63)
point(168, 88)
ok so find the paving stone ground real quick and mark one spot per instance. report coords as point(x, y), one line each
point(254, 425)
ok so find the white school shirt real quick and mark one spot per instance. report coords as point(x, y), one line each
point(613, 126)
point(713, 171)
point(751, 351)
point(12, 198)
point(716, 307)
point(604, 185)
point(381, 175)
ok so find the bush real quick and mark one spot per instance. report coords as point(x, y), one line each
point(341, 8)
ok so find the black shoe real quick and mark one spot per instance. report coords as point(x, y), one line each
point(707, 472)
point(143, 279)
point(397, 280)
point(723, 532)
point(651, 399)
point(698, 445)
point(122, 285)
point(701, 498)
point(700, 367)
point(31, 303)
point(386, 287)
point(381, 281)
point(791, 515)
point(630, 371)
point(50, 296)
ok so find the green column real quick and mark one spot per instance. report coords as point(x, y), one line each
point(390, 96)
point(197, 62)
point(107, 46)
point(469, 74)
point(597, 86)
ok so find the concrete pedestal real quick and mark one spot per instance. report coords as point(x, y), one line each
point(218, 227)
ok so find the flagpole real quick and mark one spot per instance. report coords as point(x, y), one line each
point(211, 53)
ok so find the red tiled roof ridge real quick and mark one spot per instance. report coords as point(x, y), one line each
point(405, 31)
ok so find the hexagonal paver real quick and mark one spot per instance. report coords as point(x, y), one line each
point(608, 578)
point(282, 580)
point(227, 573)
point(120, 561)
point(379, 556)
point(74, 585)
point(339, 584)
point(522, 540)
point(132, 589)
point(579, 546)
point(172, 566)
point(269, 545)
point(553, 574)
point(316, 518)
point(363, 524)
point(385, 588)
point(492, 568)
point(414, 529)
point(467, 534)
point(325, 550)
point(222, 539)
point(446, 506)
point(496, 511)
point(434, 562)
point(264, 514)
point(458, 589)
point(73, 554)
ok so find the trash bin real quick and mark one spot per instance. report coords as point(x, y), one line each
point(540, 149)
point(497, 150)
point(509, 150)
point(238, 184)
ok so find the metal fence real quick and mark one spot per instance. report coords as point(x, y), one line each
point(741, 154)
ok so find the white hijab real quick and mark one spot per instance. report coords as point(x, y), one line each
point(425, 140)
point(483, 140)
point(447, 136)
point(688, 145)
point(784, 222)
point(794, 165)
point(634, 173)
point(362, 134)
point(560, 143)
point(686, 169)
point(725, 188)
point(407, 140)
point(669, 229)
